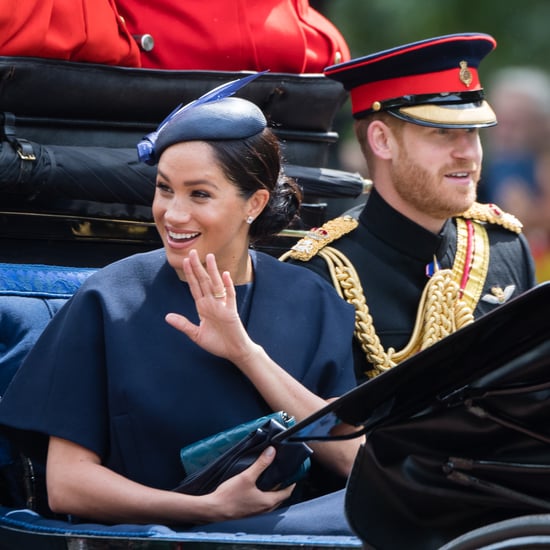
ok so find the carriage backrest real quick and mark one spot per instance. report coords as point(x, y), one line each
point(30, 295)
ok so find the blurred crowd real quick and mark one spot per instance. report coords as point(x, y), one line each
point(516, 169)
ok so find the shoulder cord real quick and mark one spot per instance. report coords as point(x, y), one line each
point(446, 305)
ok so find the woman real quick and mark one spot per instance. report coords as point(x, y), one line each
point(161, 349)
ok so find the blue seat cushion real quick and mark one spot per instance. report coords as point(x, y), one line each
point(30, 295)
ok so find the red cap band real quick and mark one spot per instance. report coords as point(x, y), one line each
point(363, 96)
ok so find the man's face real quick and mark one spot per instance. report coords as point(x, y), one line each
point(435, 171)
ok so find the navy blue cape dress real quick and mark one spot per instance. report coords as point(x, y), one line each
point(109, 373)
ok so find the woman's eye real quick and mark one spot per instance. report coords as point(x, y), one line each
point(163, 187)
point(200, 194)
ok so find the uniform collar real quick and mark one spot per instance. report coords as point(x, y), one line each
point(401, 233)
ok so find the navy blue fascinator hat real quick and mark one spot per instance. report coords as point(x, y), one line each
point(213, 116)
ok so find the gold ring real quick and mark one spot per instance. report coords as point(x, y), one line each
point(221, 294)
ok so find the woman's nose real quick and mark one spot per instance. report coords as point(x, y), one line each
point(177, 211)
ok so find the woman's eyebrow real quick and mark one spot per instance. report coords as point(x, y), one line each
point(162, 174)
point(189, 183)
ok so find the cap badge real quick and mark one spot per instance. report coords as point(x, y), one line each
point(465, 75)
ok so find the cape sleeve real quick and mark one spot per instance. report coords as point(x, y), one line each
point(310, 327)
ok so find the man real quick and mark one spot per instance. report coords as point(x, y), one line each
point(423, 258)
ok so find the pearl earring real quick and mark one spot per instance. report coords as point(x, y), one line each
point(249, 220)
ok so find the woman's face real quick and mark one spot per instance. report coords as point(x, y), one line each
point(197, 207)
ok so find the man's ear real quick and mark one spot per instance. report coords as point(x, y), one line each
point(381, 139)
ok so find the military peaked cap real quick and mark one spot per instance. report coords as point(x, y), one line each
point(433, 82)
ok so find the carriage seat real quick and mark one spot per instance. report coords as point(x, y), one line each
point(30, 295)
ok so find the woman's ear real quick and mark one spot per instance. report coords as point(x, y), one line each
point(257, 202)
point(381, 139)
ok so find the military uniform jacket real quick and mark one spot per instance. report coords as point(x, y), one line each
point(392, 254)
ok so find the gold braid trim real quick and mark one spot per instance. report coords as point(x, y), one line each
point(491, 213)
point(440, 312)
point(319, 237)
point(479, 263)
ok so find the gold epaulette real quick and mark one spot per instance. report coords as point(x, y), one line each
point(491, 213)
point(319, 237)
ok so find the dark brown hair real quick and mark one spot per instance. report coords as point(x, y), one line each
point(255, 163)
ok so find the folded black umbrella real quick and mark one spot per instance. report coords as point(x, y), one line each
point(101, 174)
point(114, 175)
point(327, 182)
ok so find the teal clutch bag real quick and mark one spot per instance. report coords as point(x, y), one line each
point(213, 460)
point(203, 452)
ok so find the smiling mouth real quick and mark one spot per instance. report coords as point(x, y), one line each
point(459, 175)
point(182, 236)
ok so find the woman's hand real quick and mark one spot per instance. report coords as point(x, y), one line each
point(240, 497)
point(220, 331)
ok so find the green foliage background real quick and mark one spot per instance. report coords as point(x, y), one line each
point(521, 28)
